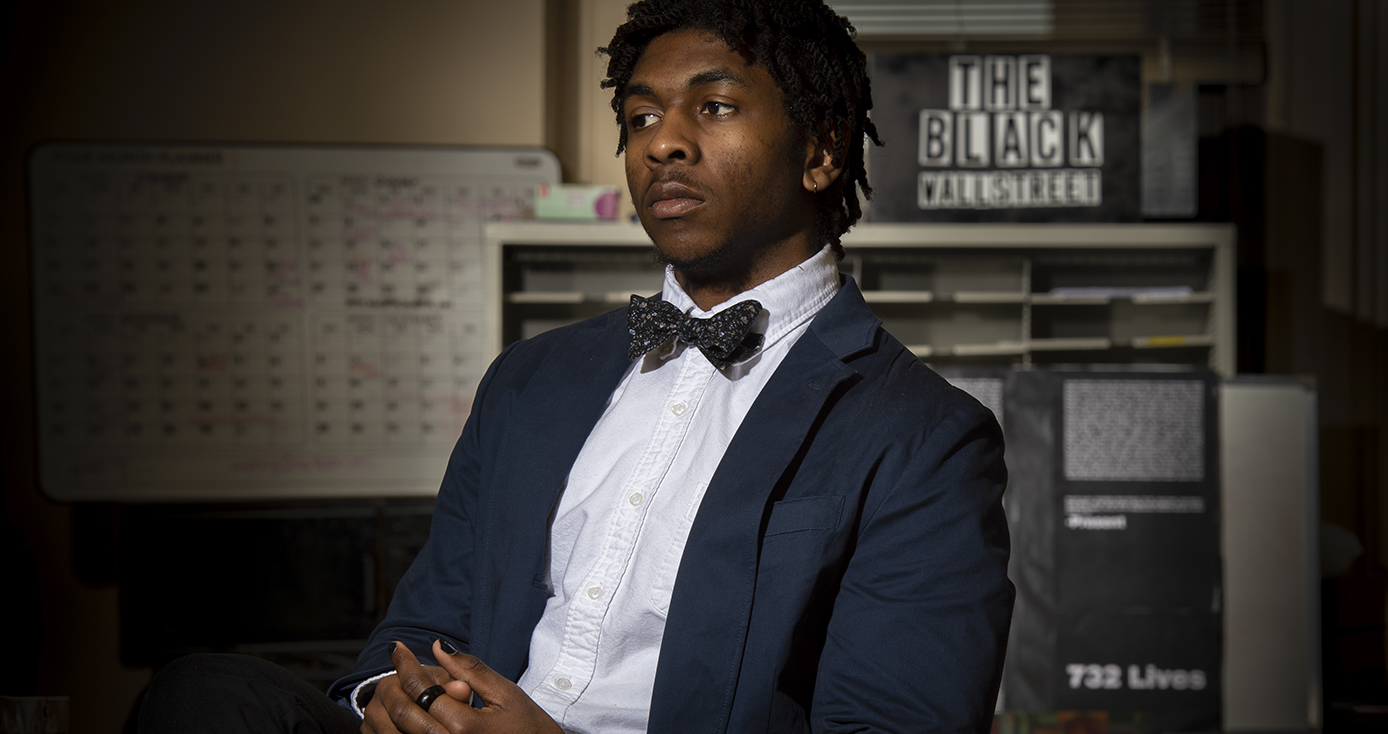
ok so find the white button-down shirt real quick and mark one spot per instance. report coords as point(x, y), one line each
point(618, 532)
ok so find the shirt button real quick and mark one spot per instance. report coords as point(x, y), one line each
point(635, 499)
point(563, 684)
point(678, 408)
point(594, 592)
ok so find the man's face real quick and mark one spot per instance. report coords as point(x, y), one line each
point(715, 167)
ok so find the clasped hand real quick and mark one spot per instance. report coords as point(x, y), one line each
point(506, 708)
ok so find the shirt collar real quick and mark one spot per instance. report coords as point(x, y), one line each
point(788, 300)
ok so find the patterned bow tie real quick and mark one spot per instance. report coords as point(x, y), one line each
point(724, 337)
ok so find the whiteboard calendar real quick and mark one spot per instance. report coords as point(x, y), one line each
point(229, 322)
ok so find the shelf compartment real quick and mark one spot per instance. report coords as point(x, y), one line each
point(997, 349)
point(932, 297)
point(1120, 269)
point(1070, 344)
point(1169, 342)
point(1183, 357)
point(940, 271)
point(1118, 321)
point(1154, 299)
point(946, 324)
point(1046, 299)
point(986, 297)
point(549, 297)
point(569, 298)
point(1145, 299)
point(590, 274)
point(898, 296)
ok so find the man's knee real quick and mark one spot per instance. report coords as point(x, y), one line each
point(220, 693)
point(195, 677)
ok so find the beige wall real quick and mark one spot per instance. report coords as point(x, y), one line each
point(596, 160)
point(427, 71)
point(418, 72)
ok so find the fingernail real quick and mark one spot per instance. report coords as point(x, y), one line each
point(391, 650)
point(447, 647)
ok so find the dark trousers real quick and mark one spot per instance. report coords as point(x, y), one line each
point(222, 694)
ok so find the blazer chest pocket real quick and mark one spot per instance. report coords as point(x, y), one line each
point(808, 513)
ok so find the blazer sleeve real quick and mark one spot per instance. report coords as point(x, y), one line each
point(919, 628)
point(434, 598)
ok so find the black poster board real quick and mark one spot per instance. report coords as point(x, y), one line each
point(1113, 506)
point(1006, 138)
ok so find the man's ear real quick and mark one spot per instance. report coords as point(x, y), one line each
point(820, 169)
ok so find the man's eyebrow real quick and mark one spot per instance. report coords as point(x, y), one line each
point(714, 76)
point(711, 76)
point(637, 90)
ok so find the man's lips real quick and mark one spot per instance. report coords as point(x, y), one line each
point(672, 208)
point(669, 200)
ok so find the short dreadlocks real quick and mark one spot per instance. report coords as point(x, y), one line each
point(809, 51)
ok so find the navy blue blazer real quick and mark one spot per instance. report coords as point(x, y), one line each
point(846, 571)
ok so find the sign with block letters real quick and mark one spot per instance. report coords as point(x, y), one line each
point(1006, 137)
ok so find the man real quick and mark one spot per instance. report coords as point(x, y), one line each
point(661, 520)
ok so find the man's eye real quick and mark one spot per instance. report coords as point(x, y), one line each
point(640, 121)
point(718, 108)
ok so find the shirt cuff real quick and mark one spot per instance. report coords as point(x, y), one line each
point(368, 687)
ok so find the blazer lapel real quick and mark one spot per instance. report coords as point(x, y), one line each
point(706, 630)
point(572, 386)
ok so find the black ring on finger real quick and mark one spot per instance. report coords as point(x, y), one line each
point(430, 694)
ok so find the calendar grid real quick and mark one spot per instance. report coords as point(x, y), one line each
point(238, 311)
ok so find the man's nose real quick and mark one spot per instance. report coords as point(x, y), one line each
point(675, 140)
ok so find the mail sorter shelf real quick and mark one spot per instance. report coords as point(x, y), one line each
point(955, 294)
